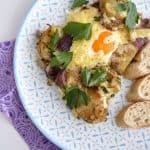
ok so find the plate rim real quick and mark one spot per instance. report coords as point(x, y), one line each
point(22, 99)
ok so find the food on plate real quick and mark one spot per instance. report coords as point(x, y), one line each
point(122, 57)
point(140, 32)
point(136, 115)
point(140, 90)
point(144, 23)
point(86, 55)
point(140, 65)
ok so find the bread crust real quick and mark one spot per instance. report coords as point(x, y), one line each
point(137, 89)
point(120, 119)
point(141, 65)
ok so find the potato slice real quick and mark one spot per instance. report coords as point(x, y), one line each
point(122, 57)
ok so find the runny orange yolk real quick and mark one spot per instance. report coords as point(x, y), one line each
point(100, 44)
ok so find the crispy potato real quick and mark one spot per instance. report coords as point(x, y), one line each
point(140, 33)
point(97, 109)
point(44, 41)
point(110, 8)
point(122, 57)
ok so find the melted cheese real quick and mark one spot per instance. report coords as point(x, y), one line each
point(83, 54)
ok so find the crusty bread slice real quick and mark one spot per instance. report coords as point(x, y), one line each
point(141, 65)
point(140, 90)
point(136, 115)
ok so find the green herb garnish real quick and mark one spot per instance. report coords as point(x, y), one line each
point(93, 79)
point(122, 7)
point(61, 59)
point(78, 3)
point(78, 30)
point(54, 40)
point(132, 16)
point(97, 18)
point(86, 76)
point(75, 96)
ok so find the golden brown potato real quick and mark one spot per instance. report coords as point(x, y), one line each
point(140, 33)
point(112, 19)
point(73, 77)
point(42, 44)
point(122, 57)
point(110, 8)
point(44, 41)
point(97, 109)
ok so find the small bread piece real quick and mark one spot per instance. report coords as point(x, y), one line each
point(136, 115)
point(140, 90)
point(141, 65)
point(122, 57)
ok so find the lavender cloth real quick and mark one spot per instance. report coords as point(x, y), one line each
point(10, 104)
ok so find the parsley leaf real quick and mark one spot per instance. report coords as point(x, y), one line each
point(61, 59)
point(122, 7)
point(78, 30)
point(54, 40)
point(90, 80)
point(75, 96)
point(97, 78)
point(78, 3)
point(132, 16)
point(86, 75)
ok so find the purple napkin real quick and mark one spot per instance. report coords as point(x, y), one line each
point(10, 104)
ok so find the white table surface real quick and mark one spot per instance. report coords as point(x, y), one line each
point(12, 13)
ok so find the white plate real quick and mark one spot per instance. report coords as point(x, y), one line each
point(44, 104)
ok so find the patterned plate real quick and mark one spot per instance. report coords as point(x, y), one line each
point(44, 104)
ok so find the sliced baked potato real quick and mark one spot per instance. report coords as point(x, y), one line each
point(44, 42)
point(140, 33)
point(122, 57)
point(96, 110)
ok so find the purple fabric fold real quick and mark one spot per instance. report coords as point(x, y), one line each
point(11, 106)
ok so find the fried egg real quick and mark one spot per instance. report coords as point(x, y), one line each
point(88, 53)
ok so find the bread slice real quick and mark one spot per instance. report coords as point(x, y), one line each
point(122, 57)
point(136, 115)
point(140, 90)
point(141, 65)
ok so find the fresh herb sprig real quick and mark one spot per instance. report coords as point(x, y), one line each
point(78, 3)
point(75, 96)
point(61, 59)
point(78, 31)
point(132, 14)
point(54, 40)
point(93, 79)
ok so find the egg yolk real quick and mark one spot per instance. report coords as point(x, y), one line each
point(100, 44)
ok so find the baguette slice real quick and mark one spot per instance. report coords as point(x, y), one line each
point(141, 65)
point(136, 115)
point(140, 90)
